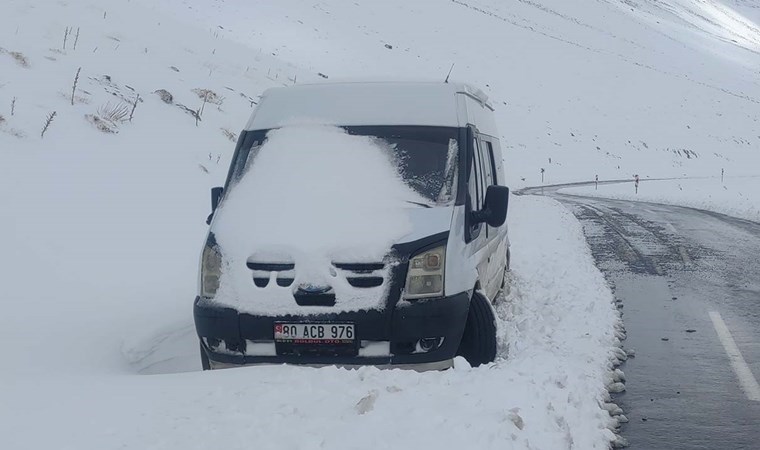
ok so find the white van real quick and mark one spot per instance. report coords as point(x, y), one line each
point(360, 224)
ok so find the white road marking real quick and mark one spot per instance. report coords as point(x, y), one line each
point(670, 227)
point(741, 369)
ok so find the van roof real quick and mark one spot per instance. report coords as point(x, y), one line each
point(370, 103)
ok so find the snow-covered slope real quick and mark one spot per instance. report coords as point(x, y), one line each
point(103, 220)
point(613, 87)
point(111, 209)
point(103, 215)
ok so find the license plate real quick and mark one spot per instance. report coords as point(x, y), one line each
point(315, 333)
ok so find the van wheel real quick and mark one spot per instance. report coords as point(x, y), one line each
point(204, 358)
point(478, 344)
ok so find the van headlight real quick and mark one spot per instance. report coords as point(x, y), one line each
point(424, 278)
point(211, 270)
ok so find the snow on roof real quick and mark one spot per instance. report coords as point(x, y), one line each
point(364, 103)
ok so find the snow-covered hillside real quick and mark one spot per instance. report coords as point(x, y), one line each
point(109, 207)
point(103, 215)
point(613, 87)
point(103, 219)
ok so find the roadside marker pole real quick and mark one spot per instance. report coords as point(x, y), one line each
point(542, 181)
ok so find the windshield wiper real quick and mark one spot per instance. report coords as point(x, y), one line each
point(424, 205)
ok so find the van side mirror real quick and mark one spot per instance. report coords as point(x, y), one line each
point(216, 195)
point(494, 211)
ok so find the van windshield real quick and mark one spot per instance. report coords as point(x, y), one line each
point(427, 157)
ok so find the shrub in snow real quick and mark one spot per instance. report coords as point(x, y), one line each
point(48, 121)
point(232, 136)
point(207, 95)
point(115, 113)
point(74, 87)
point(19, 57)
point(165, 96)
point(134, 107)
point(109, 116)
point(105, 126)
point(20, 134)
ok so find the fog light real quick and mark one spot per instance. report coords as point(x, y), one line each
point(429, 344)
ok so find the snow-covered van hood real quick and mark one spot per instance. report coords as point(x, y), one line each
point(313, 197)
point(319, 266)
point(427, 222)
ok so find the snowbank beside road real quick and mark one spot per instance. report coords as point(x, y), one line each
point(735, 196)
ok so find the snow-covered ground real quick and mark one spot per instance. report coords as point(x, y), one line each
point(734, 196)
point(104, 221)
point(103, 216)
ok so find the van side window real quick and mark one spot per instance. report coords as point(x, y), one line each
point(484, 176)
point(476, 174)
point(485, 165)
point(472, 188)
point(492, 160)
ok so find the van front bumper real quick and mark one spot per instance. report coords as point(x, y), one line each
point(386, 338)
point(421, 367)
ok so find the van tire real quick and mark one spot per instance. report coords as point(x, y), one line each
point(478, 345)
point(204, 358)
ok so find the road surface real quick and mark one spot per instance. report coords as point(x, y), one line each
point(689, 281)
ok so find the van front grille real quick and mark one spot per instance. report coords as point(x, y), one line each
point(360, 267)
point(362, 275)
point(358, 275)
point(365, 282)
point(270, 267)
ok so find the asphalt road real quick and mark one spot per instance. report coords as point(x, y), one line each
point(689, 281)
